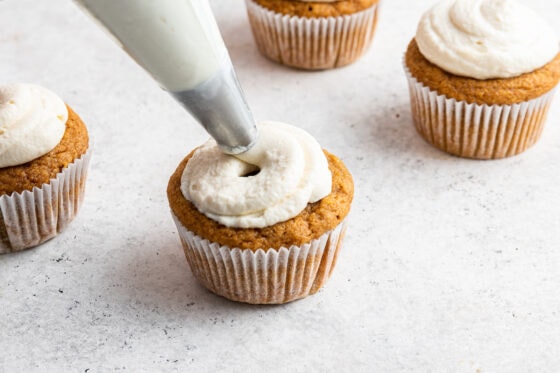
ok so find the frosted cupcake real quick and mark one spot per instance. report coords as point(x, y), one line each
point(481, 76)
point(264, 226)
point(43, 165)
point(315, 35)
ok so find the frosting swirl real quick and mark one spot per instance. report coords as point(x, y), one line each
point(32, 123)
point(485, 39)
point(270, 183)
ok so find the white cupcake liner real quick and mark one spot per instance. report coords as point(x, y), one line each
point(473, 130)
point(312, 43)
point(262, 277)
point(33, 217)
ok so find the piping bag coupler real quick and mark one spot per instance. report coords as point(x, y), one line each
point(178, 42)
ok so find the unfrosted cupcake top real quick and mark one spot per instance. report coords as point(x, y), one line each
point(272, 182)
point(316, 9)
point(32, 123)
point(485, 39)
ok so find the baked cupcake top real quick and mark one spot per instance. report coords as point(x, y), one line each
point(39, 136)
point(309, 202)
point(485, 39)
point(490, 91)
point(317, 8)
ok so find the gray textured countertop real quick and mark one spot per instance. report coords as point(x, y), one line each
point(449, 264)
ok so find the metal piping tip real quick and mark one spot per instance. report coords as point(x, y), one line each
point(219, 105)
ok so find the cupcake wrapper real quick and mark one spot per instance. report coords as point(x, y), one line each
point(476, 131)
point(33, 217)
point(312, 43)
point(262, 277)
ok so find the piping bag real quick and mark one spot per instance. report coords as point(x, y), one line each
point(179, 44)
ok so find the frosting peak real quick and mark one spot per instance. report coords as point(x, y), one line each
point(32, 123)
point(485, 39)
point(270, 183)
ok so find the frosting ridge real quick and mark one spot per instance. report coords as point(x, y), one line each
point(272, 182)
point(32, 122)
point(485, 39)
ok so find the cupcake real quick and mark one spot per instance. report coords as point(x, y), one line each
point(314, 35)
point(43, 165)
point(264, 226)
point(481, 77)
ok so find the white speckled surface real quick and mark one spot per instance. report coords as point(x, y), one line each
point(449, 264)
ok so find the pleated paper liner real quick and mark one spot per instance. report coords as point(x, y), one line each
point(33, 217)
point(312, 43)
point(476, 131)
point(270, 276)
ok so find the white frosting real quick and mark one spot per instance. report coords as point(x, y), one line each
point(177, 41)
point(292, 171)
point(485, 39)
point(32, 123)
